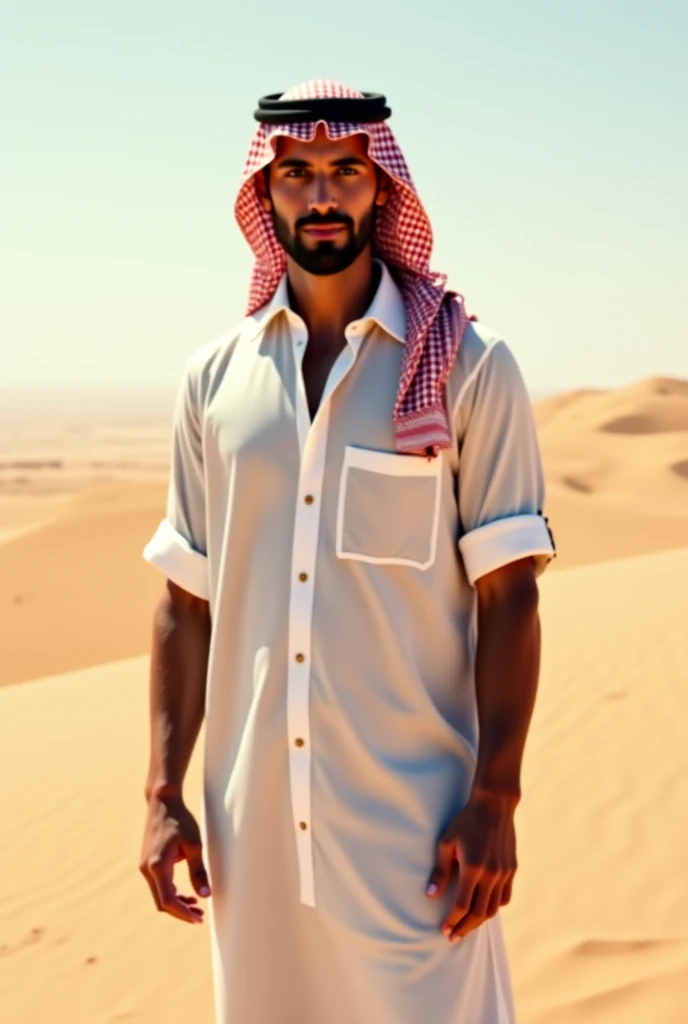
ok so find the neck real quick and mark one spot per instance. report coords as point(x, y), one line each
point(328, 304)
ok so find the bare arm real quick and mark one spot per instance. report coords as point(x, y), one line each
point(506, 676)
point(505, 545)
point(481, 838)
point(179, 659)
point(179, 663)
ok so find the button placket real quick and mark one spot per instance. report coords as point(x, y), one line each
point(306, 527)
point(313, 445)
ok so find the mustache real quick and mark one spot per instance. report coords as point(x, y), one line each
point(315, 221)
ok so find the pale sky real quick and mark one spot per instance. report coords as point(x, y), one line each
point(547, 140)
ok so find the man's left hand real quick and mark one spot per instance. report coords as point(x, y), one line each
point(482, 841)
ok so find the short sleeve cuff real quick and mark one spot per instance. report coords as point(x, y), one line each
point(506, 540)
point(172, 554)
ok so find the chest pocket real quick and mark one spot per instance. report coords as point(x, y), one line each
point(388, 508)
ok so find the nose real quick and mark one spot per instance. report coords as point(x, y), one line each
point(322, 201)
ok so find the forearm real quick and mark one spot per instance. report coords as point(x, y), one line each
point(178, 669)
point(506, 679)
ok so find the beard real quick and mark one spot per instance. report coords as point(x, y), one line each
point(326, 257)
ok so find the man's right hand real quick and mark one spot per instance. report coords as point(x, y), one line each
point(172, 834)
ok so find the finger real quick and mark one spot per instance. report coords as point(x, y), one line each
point(468, 924)
point(176, 906)
point(161, 870)
point(151, 885)
point(477, 914)
point(197, 871)
point(441, 873)
point(495, 900)
point(481, 898)
point(154, 869)
point(468, 879)
point(173, 904)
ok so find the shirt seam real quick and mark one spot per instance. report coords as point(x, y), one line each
point(472, 376)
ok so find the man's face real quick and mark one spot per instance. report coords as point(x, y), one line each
point(323, 196)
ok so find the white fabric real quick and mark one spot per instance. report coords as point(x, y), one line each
point(492, 546)
point(386, 310)
point(341, 723)
point(172, 553)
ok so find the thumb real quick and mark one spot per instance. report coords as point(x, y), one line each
point(441, 873)
point(197, 871)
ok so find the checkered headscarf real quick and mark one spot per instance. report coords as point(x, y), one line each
point(436, 317)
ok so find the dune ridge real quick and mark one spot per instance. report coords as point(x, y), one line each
point(629, 447)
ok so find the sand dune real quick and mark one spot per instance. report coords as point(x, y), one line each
point(599, 924)
point(656, 405)
point(80, 939)
point(598, 927)
point(625, 446)
point(77, 592)
point(589, 529)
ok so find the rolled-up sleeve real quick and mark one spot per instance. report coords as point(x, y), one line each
point(178, 547)
point(501, 488)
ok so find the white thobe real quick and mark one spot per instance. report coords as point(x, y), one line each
point(341, 722)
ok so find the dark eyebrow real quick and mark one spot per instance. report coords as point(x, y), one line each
point(349, 161)
point(342, 161)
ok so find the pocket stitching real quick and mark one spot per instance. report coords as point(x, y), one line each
point(359, 463)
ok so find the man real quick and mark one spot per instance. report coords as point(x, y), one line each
point(352, 539)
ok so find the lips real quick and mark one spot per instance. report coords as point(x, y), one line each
point(324, 231)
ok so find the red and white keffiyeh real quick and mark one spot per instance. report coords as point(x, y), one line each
point(436, 318)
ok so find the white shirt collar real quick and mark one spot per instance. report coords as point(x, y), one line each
point(387, 308)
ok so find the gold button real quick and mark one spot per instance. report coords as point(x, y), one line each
point(298, 742)
point(300, 657)
point(303, 825)
point(303, 576)
point(309, 499)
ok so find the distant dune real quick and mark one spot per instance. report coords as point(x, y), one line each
point(656, 405)
point(628, 446)
point(76, 591)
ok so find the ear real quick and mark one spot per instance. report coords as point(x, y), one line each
point(384, 188)
point(263, 188)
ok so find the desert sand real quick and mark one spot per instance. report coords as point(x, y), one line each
point(598, 926)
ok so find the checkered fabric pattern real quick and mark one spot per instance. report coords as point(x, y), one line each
point(436, 317)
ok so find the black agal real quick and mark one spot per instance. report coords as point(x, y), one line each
point(372, 107)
